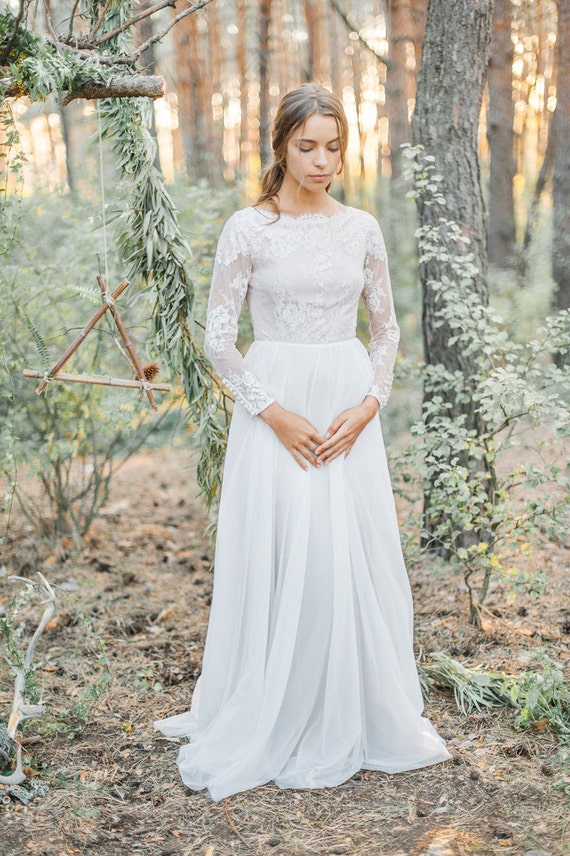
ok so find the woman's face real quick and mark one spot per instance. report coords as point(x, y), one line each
point(313, 152)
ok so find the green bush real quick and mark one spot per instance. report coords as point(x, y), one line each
point(504, 486)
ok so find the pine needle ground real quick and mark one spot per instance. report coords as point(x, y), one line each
point(143, 584)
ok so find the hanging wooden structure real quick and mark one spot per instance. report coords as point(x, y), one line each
point(144, 376)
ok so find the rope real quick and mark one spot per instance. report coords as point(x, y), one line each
point(103, 206)
point(107, 296)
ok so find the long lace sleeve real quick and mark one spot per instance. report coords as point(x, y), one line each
point(384, 331)
point(230, 280)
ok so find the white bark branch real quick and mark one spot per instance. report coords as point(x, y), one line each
point(20, 710)
point(135, 86)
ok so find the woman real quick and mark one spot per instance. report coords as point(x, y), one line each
point(309, 672)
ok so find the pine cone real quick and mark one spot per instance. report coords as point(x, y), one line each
point(151, 371)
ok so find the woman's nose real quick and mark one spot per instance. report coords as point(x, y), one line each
point(320, 157)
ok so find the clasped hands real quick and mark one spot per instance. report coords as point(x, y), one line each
point(306, 444)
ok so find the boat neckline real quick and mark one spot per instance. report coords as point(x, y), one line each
point(346, 209)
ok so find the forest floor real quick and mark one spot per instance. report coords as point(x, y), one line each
point(143, 579)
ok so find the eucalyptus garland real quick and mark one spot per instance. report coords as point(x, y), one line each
point(153, 249)
point(149, 238)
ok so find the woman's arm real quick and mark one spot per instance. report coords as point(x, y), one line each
point(230, 281)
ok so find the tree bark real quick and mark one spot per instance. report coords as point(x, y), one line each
point(265, 153)
point(561, 173)
point(500, 134)
point(446, 122)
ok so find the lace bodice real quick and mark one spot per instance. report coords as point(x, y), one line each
point(302, 278)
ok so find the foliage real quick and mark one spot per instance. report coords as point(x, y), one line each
point(540, 698)
point(11, 162)
point(152, 248)
point(523, 401)
point(74, 437)
point(13, 627)
point(38, 68)
point(12, 633)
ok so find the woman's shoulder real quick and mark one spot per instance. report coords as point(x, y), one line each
point(366, 218)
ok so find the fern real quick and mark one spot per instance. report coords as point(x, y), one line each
point(39, 342)
point(93, 295)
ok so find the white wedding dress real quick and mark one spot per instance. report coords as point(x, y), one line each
point(309, 673)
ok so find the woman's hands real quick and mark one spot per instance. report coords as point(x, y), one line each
point(345, 430)
point(306, 444)
point(295, 432)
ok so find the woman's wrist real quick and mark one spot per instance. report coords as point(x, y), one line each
point(271, 413)
point(370, 405)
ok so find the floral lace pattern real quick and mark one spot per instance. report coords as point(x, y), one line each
point(302, 278)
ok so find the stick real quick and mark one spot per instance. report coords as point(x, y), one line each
point(98, 380)
point(74, 346)
point(128, 345)
point(21, 710)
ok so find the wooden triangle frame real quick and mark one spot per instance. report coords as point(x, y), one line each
point(140, 381)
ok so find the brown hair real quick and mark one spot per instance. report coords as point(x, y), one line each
point(294, 109)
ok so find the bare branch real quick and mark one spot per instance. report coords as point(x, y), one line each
point(21, 710)
point(72, 19)
point(101, 16)
point(194, 8)
point(344, 17)
point(131, 22)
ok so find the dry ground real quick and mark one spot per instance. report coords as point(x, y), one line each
point(143, 577)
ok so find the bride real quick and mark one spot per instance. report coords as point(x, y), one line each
point(309, 672)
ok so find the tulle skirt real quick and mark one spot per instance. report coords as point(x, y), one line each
point(309, 673)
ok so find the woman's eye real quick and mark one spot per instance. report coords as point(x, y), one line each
point(335, 149)
point(304, 150)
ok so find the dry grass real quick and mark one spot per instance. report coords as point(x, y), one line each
point(144, 578)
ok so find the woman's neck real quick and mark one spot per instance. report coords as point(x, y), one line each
point(294, 199)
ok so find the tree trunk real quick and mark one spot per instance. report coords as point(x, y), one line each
point(419, 18)
point(145, 31)
point(399, 32)
point(214, 123)
point(189, 73)
point(446, 123)
point(241, 60)
point(500, 134)
point(561, 174)
point(314, 18)
point(264, 103)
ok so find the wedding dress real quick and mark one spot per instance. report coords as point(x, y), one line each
point(308, 673)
